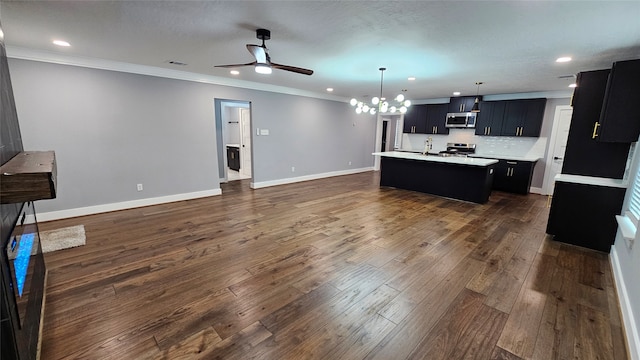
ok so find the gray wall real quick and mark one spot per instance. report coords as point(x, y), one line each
point(547, 127)
point(112, 130)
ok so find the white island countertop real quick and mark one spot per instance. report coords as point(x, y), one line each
point(527, 158)
point(434, 158)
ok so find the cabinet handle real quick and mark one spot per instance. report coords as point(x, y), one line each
point(512, 163)
point(508, 170)
point(489, 133)
point(461, 107)
point(595, 130)
point(435, 129)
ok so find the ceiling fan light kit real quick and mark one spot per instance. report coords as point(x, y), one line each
point(380, 104)
point(263, 63)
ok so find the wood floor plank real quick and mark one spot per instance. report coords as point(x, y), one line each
point(335, 268)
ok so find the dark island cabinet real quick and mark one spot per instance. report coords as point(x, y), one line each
point(584, 155)
point(436, 118)
point(523, 117)
point(584, 215)
point(461, 104)
point(620, 119)
point(513, 176)
point(489, 121)
point(415, 120)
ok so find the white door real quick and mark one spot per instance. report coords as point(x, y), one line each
point(557, 145)
point(245, 143)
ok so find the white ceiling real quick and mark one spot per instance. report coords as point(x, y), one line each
point(447, 45)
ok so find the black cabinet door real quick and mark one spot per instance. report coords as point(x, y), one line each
point(584, 155)
point(513, 176)
point(415, 119)
point(584, 215)
point(523, 117)
point(619, 118)
point(489, 120)
point(436, 115)
point(462, 103)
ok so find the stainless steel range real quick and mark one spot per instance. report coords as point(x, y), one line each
point(458, 149)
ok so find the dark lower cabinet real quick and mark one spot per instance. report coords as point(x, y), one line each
point(513, 176)
point(233, 158)
point(584, 215)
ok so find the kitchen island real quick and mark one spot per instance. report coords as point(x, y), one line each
point(461, 178)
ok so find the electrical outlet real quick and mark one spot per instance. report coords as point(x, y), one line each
point(293, 169)
point(140, 188)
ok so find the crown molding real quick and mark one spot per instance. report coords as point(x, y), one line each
point(16, 52)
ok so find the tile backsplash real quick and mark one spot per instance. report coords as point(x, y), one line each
point(485, 145)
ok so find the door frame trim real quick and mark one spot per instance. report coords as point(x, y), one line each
point(547, 189)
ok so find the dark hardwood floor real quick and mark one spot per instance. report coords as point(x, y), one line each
point(337, 268)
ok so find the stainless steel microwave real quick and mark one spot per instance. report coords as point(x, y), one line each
point(461, 120)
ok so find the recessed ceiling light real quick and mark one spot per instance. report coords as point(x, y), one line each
point(234, 72)
point(573, 85)
point(411, 78)
point(329, 89)
point(456, 93)
point(563, 59)
point(61, 43)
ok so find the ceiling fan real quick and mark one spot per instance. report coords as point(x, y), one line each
point(263, 64)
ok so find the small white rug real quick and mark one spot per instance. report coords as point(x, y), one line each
point(64, 238)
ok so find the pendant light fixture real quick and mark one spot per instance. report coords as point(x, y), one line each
point(476, 103)
point(380, 104)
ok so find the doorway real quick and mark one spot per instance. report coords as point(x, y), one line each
point(557, 146)
point(233, 134)
point(388, 135)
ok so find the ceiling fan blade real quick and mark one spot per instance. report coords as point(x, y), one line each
point(235, 65)
point(258, 52)
point(292, 69)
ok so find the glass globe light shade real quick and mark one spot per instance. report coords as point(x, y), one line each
point(353, 102)
point(263, 68)
point(358, 110)
point(365, 108)
point(407, 103)
point(372, 111)
point(360, 104)
point(375, 100)
point(399, 98)
point(403, 109)
point(384, 107)
point(392, 109)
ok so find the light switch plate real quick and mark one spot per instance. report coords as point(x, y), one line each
point(264, 131)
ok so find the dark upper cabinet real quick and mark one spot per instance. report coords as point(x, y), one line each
point(584, 155)
point(523, 117)
point(619, 119)
point(489, 120)
point(462, 103)
point(436, 118)
point(415, 119)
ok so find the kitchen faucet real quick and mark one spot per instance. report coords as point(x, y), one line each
point(428, 145)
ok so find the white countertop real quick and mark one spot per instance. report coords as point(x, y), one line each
point(590, 180)
point(433, 158)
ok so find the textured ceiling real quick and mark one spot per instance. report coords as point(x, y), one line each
point(447, 45)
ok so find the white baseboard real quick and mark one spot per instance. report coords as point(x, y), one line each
point(97, 209)
point(536, 190)
point(630, 329)
point(263, 184)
